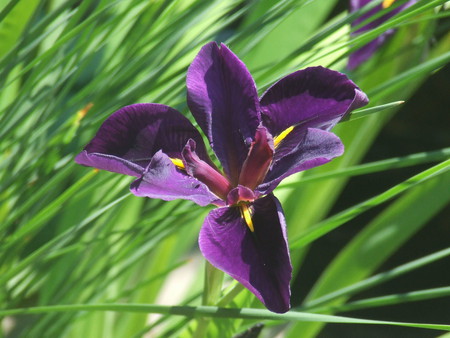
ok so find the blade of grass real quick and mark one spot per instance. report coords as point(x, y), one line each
point(367, 111)
point(373, 167)
point(399, 298)
point(333, 222)
point(378, 241)
point(216, 312)
point(375, 280)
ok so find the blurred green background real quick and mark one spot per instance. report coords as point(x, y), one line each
point(367, 240)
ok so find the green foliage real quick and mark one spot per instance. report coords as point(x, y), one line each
point(80, 255)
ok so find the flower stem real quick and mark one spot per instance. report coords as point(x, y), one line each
point(211, 295)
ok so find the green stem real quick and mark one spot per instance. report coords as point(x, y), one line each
point(211, 295)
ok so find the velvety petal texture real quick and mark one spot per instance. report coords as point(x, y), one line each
point(301, 151)
point(314, 97)
point(127, 140)
point(259, 142)
point(138, 140)
point(364, 53)
point(258, 161)
point(222, 96)
point(161, 179)
point(260, 259)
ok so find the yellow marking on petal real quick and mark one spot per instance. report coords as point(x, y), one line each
point(283, 134)
point(245, 212)
point(387, 3)
point(179, 163)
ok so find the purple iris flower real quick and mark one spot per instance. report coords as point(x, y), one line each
point(258, 141)
point(365, 52)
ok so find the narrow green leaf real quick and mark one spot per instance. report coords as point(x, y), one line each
point(399, 298)
point(215, 312)
point(367, 111)
point(373, 167)
point(423, 68)
point(376, 279)
point(379, 240)
point(17, 15)
point(333, 222)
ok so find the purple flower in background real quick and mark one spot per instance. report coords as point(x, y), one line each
point(258, 141)
point(365, 52)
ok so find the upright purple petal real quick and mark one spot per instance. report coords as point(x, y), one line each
point(365, 52)
point(300, 151)
point(314, 97)
point(258, 160)
point(127, 140)
point(162, 180)
point(222, 96)
point(260, 259)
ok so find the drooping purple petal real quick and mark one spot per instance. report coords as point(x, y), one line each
point(222, 96)
point(109, 163)
point(127, 140)
point(162, 180)
point(260, 259)
point(314, 97)
point(300, 151)
point(364, 53)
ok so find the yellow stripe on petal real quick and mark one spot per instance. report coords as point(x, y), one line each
point(179, 163)
point(245, 212)
point(282, 135)
point(387, 3)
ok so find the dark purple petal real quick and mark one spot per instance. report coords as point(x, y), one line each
point(204, 172)
point(162, 180)
point(258, 160)
point(365, 52)
point(300, 151)
point(222, 96)
point(109, 163)
point(314, 97)
point(260, 259)
point(127, 140)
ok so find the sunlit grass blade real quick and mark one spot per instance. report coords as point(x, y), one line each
point(335, 221)
point(424, 68)
point(400, 298)
point(367, 111)
point(375, 280)
point(379, 240)
point(373, 167)
point(54, 245)
point(215, 312)
point(68, 239)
